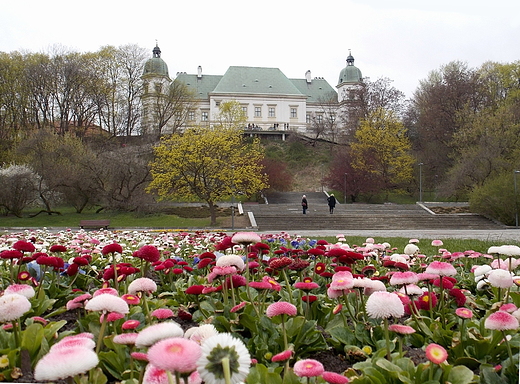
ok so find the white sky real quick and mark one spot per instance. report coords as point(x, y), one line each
point(400, 39)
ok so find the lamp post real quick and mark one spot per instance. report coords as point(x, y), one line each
point(420, 182)
point(516, 200)
point(345, 196)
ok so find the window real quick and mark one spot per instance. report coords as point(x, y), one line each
point(258, 111)
point(332, 117)
point(294, 113)
point(272, 112)
point(204, 116)
point(244, 109)
point(191, 115)
point(308, 118)
point(319, 118)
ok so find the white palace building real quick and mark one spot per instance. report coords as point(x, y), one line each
point(270, 100)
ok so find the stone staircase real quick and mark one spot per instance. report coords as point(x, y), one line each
point(283, 212)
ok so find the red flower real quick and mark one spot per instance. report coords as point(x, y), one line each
point(423, 302)
point(280, 263)
point(24, 246)
point(459, 296)
point(11, 254)
point(111, 248)
point(194, 290)
point(58, 248)
point(319, 268)
point(148, 253)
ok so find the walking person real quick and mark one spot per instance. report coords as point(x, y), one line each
point(305, 205)
point(331, 200)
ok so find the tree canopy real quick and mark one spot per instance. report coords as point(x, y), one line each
point(382, 149)
point(207, 163)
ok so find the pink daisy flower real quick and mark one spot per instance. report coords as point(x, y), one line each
point(381, 305)
point(282, 356)
point(238, 307)
point(74, 342)
point(125, 338)
point(162, 313)
point(131, 299)
point(334, 378)
point(501, 321)
point(308, 368)
point(63, 363)
point(107, 303)
point(130, 324)
point(401, 329)
point(21, 289)
point(436, 353)
point(13, 307)
point(281, 308)
point(153, 333)
point(437, 243)
point(306, 286)
point(509, 307)
point(464, 313)
point(110, 291)
point(175, 355)
point(155, 375)
point(500, 278)
point(142, 284)
point(246, 238)
point(402, 278)
point(441, 268)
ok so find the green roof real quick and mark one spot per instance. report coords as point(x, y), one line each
point(317, 90)
point(256, 80)
point(200, 86)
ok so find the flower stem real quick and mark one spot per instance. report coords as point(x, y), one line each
point(227, 371)
point(387, 337)
point(101, 333)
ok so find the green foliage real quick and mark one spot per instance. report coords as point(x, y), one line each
point(382, 148)
point(496, 198)
point(207, 164)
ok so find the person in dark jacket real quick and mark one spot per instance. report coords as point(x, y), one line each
point(305, 205)
point(331, 200)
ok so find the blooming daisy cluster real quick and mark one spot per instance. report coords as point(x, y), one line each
point(208, 307)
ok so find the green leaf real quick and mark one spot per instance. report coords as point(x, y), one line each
point(389, 367)
point(460, 375)
point(32, 338)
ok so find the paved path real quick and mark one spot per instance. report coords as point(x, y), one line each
point(502, 236)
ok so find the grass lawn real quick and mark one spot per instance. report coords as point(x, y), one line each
point(173, 218)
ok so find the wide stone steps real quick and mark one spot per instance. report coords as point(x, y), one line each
point(287, 216)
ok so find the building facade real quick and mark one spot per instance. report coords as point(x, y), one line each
point(270, 100)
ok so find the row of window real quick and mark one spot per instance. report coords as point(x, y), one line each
point(271, 113)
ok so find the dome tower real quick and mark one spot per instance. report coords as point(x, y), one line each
point(350, 79)
point(156, 82)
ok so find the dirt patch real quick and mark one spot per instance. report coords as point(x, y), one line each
point(449, 210)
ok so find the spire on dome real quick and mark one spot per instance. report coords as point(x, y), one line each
point(156, 51)
point(350, 58)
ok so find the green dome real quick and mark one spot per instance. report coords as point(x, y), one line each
point(351, 73)
point(156, 65)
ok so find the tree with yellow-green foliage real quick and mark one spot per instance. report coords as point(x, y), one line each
point(382, 149)
point(209, 164)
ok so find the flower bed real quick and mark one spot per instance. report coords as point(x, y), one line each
point(204, 307)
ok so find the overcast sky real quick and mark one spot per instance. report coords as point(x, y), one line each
point(402, 40)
